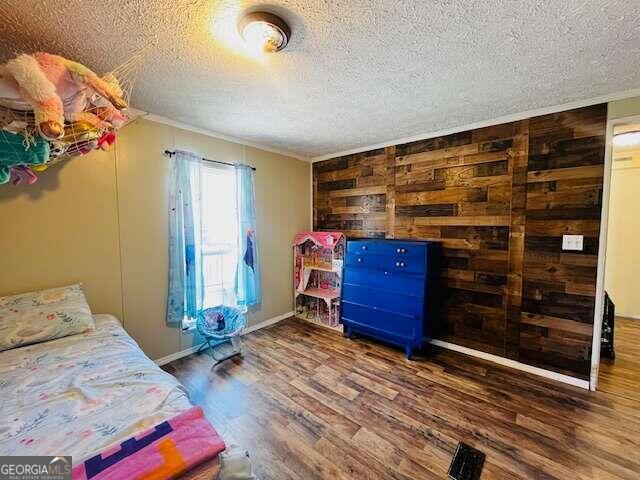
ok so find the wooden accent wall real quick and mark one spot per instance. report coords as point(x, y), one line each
point(564, 196)
point(499, 200)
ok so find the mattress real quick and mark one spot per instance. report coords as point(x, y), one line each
point(78, 395)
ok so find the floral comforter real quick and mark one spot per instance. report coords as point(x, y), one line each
point(79, 394)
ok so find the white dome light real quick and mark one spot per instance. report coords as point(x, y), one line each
point(264, 31)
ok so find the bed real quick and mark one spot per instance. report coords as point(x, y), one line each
point(80, 394)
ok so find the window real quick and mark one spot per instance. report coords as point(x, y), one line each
point(219, 233)
point(213, 255)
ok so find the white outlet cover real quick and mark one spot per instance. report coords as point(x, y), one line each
point(573, 242)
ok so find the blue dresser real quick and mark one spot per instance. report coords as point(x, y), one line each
point(388, 292)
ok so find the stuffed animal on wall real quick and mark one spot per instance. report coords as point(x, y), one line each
point(52, 108)
point(13, 153)
point(23, 174)
point(55, 88)
point(107, 140)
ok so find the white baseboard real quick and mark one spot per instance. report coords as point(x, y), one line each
point(194, 349)
point(578, 382)
point(439, 343)
point(177, 355)
point(632, 317)
point(266, 323)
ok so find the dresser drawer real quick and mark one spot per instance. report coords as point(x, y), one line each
point(413, 285)
point(361, 260)
point(389, 301)
point(361, 246)
point(381, 323)
point(398, 264)
point(402, 250)
point(390, 248)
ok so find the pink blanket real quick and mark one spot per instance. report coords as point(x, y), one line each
point(165, 451)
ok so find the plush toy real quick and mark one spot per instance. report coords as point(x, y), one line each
point(81, 148)
point(111, 115)
point(107, 139)
point(52, 108)
point(81, 130)
point(13, 121)
point(10, 95)
point(55, 88)
point(15, 150)
point(22, 173)
point(56, 155)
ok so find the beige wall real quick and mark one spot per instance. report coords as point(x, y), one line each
point(102, 220)
point(623, 230)
point(622, 281)
point(621, 278)
point(62, 230)
point(624, 108)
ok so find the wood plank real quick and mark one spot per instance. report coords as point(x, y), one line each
point(513, 298)
point(557, 228)
point(390, 182)
point(353, 192)
point(430, 156)
point(589, 171)
point(486, 220)
point(557, 323)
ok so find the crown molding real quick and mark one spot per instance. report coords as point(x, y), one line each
point(135, 114)
point(487, 123)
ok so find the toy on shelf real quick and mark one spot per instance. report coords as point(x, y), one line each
point(318, 259)
point(53, 108)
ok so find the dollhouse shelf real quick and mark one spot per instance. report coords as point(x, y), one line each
point(318, 260)
point(322, 269)
point(324, 293)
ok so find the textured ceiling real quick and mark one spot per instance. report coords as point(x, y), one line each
point(356, 72)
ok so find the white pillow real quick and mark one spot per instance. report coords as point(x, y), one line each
point(36, 317)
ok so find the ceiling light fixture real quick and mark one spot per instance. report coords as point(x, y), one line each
point(264, 31)
point(627, 139)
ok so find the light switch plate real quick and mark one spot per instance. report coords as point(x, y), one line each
point(573, 242)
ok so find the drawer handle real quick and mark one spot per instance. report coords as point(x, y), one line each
point(401, 250)
point(399, 264)
point(359, 260)
point(364, 247)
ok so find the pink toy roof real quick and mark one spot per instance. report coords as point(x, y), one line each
point(324, 239)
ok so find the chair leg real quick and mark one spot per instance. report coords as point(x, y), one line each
point(211, 350)
point(206, 345)
point(230, 348)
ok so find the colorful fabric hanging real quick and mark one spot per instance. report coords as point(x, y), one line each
point(248, 289)
point(186, 278)
point(15, 150)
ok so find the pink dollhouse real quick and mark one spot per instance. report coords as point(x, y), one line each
point(318, 259)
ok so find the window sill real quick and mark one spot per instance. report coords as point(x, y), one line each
point(188, 327)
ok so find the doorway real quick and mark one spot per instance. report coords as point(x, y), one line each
point(619, 356)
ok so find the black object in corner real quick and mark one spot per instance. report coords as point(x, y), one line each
point(467, 463)
point(608, 324)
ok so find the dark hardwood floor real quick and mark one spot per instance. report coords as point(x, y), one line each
point(309, 404)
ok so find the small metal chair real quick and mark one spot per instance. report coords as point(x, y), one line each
point(221, 327)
